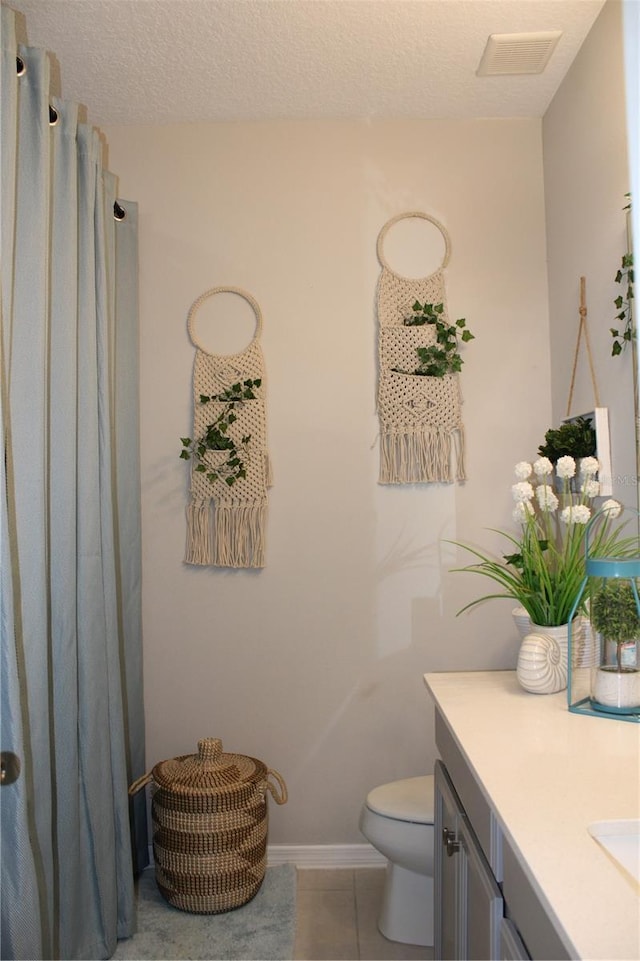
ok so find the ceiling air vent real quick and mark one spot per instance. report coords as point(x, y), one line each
point(514, 53)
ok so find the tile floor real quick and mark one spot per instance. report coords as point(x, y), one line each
point(336, 918)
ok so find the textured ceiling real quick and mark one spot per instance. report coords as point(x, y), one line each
point(167, 61)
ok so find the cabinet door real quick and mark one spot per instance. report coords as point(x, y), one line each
point(468, 906)
point(482, 903)
point(511, 946)
point(448, 934)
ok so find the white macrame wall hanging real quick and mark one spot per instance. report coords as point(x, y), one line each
point(421, 431)
point(226, 518)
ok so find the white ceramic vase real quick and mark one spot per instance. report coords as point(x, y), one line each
point(617, 689)
point(522, 621)
point(543, 659)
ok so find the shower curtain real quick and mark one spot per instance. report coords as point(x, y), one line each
point(70, 658)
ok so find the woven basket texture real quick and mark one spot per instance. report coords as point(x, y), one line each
point(210, 825)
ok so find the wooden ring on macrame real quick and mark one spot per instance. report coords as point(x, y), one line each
point(223, 290)
point(407, 216)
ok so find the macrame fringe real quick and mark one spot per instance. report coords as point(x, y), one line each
point(421, 456)
point(225, 535)
point(198, 533)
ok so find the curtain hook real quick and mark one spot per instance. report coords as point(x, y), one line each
point(53, 116)
point(20, 67)
point(119, 213)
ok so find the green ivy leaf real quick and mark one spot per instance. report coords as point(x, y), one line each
point(185, 455)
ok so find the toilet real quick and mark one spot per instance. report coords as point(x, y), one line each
point(397, 819)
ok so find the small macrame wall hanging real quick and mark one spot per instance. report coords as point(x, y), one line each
point(421, 431)
point(230, 466)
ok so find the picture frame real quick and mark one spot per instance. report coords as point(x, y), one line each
point(599, 418)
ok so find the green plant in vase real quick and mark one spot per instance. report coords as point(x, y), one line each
point(576, 438)
point(614, 616)
point(217, 436)
point(546, 565)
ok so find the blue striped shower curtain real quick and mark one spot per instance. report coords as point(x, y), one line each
point(70, 658)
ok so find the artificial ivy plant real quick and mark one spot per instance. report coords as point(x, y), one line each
point(216, 436)
point(624, 333)
point(443, 357)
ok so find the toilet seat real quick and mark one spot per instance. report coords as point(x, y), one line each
point(411, 799)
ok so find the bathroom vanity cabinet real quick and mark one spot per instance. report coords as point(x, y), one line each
point(473, 911)
point(468, 901)
point(519, 780)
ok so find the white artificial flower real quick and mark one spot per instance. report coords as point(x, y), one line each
point(589, 466)
point(576, 514)
point(523, 470)
point(611, 508)
point(566, 467)
point(546, 498)
point(522, 491)
point(521, 511)
point(543, 467)
point(591, 488)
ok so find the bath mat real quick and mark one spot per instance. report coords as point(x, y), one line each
point(261, 930)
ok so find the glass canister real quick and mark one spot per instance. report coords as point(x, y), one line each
point(614, 615)
point(604, 655)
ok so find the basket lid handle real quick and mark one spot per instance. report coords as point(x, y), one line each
point(209, 751)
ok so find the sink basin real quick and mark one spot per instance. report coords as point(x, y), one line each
point(621, 839)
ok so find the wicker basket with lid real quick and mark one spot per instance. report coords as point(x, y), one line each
point(209, 813)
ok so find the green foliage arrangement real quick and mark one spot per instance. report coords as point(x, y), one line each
point(443, 357)
point(546, 567)
point(217, 437)
point(575, 439)
point(624, 301)
point(614, 614)
point(624, 304)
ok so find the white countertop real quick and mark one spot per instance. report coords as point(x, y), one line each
point(548, 774)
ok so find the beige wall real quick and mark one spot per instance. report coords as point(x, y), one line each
point(586, 177)
point(315, 664)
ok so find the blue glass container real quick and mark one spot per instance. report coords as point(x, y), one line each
point(603, 676)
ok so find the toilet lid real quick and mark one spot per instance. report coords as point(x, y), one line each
point(408, 800)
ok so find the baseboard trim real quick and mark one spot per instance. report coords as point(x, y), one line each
point(326, 855)
point(319, 855)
